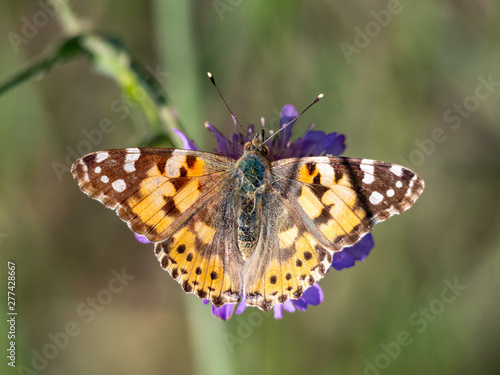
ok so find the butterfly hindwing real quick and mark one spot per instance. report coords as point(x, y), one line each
point(288, 259)
point(203, 256)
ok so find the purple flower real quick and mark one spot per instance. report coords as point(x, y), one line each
point(347, 257)
point(312, 296)
point(187, 143)
point(223, 312)
point(312, 143)
point(141, 239)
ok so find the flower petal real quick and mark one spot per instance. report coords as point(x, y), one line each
point(242, 306)
point(141, 239)
point(349, 255)
point(288, 113)
point(188, 144)
point(314, 295)
point(300, 305)
point(289, 306)
point(337, 146)
point(278, 311)
point(224, 312)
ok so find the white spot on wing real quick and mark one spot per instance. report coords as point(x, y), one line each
point(173, 167)
point(129, 167)
point(85, 171)
point(399, 184)
point(367, 167)
point(100, 156)
point(368, 178)
point(105, 179)
point(98, 170)
point(119, 185)
point(412, 181)
point(327, 173)
point(390, 193)
point(376, 197)
point(132, 155)
point(397, 170)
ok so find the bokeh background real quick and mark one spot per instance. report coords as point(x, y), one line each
point(411, 90)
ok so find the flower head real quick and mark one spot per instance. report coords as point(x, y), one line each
point(312, 143)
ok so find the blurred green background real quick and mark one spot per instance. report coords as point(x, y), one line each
point(406, 82)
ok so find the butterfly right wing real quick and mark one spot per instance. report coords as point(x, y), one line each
point(317, 206)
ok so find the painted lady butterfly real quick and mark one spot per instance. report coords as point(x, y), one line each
point(227, 228)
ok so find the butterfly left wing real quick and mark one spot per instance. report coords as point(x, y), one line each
point(317, 206)
point(177, 199)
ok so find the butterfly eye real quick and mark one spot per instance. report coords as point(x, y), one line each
point(265, 150)
point(247, 146)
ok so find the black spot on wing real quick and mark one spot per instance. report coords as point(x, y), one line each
point(190, 160)
point(161, 166)
point(311, 168)
point(338, 174)
point(89, 159)
point(187, 288)
point(317, 179)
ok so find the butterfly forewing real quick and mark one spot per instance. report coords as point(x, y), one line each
point(154, 190)
point(340, 199)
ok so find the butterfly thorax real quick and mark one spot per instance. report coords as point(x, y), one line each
point(253, 175)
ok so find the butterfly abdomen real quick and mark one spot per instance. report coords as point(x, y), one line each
point(252, 173)
point(248, 225)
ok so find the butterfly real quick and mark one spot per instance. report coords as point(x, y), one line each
point(249, 228)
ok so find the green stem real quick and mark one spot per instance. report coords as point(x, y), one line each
point(111, 58)
point(177, 52)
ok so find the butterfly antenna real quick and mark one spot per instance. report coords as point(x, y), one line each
point(318, 98)
point(212, 79)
